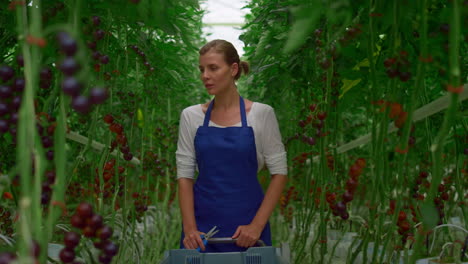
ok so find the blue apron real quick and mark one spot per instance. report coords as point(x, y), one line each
point(227, 193)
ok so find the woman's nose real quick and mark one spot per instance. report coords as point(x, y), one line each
point(205, 75)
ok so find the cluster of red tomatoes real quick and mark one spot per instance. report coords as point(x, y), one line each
point(339, 208)
point(91, 226)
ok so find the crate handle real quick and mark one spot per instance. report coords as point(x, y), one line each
point(229, 240)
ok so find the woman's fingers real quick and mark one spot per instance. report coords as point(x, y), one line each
point(247, 236)
point(199, 242)
point(193, 240)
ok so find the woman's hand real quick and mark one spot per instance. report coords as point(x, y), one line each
point(192, 240)
point(247, 235)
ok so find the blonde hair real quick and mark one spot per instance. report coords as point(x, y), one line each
point(230, 55)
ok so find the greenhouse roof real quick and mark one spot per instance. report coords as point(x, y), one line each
point(223, 20)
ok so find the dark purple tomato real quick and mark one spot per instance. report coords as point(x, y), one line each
point(404, 76)
point(325, 63)
point(99, 34)
point(50, 155)
point(45, 198)
point(147, 64)
point(98, 244)
point(7, 257)
point(6, 73)
point(104, 258)
point(95, 221)
point(96, 20)
point(351, 184)
point(341, 207)
point(128, 156)
point(96, 55)
point(89, 231)
point(104, 232)
point(318, 133)
point(50, 175)
point(5, 91)
point(16, 102)
point(71, 86)
point(67, 43)
point(19, 84)
point(77, 221)
point(125, 149)
point(81, 104)
point(14, 118)
point(3, 126)
point(45, 74)
point(311, 141)
point(40, 129)
point(69, 66)
point(71, 240)
point(92, 45)
point(4, 109)
point(20, 60)
point(348, 196)
point(98, 95)
point(47, 142)
point(35, 249)
point(110, 248)
point(84, 210)
point(67, 255)
point(46, 187)
point(104, 59)
point(344, 215)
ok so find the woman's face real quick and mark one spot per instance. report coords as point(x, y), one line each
point(216, 74)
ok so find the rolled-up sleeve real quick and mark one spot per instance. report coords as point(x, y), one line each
point(273, 147)
point(185, 154)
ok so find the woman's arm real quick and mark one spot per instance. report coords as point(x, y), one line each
point(272, 196)
point(186, 203)
point(275, 159)
point(192, 238)
point(248, 235)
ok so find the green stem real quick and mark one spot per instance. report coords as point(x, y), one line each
point(29, 201)
point(437, 147)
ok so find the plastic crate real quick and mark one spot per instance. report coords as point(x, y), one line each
point(254, 255)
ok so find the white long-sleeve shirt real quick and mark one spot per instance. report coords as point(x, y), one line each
point(261, 117)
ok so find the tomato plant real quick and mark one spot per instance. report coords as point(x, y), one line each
point(370, 97)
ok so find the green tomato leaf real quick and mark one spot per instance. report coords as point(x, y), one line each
point(306, 17)
point(347, 85)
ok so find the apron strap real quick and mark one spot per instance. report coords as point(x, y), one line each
point(242, 111)
point(208, 114)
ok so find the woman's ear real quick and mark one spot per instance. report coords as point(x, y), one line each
point(234, 69)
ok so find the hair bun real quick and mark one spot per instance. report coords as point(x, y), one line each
point(245, 67)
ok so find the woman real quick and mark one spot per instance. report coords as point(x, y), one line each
point(228, 140)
